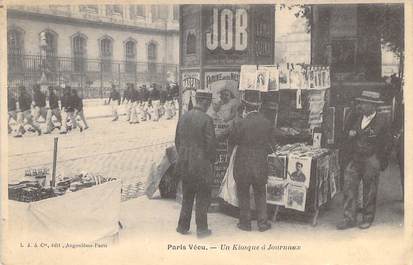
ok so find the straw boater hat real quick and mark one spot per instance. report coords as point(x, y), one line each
point(203, 94)
point(251, 98)
point(370, 97)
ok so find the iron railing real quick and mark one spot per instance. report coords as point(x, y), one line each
point(92, 77)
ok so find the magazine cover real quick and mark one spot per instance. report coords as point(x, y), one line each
point(299, 170)
point(248, 77)
point(276, 190)
point(296, 197)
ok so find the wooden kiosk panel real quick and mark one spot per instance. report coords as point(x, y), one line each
point(221, 38)
point(215, 40)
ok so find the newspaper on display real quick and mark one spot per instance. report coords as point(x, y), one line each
point(266, 78)
point(290, 173)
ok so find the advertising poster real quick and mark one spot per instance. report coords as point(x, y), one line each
point(273, 83)
point(221, 162)
point(284, 77)
point(262, 80)
point(217, 81)
point(248, 77)
point(297, 78)
point(190, 84)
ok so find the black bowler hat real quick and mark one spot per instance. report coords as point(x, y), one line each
point(370, 97)
point(251, 98)
point(203, 94)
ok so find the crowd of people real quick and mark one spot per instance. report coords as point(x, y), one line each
point(145, 103)
point(27, 108)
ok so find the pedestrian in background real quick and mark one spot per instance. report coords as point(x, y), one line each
point(145, 102)
point(169, 104)
point(53, 110)
point(114, 102)
point(252, 135)
point(368, 144)
point(134, 99)
point(78, 109)
point(39, 103)
point(163, 94)
point(196, 146)
point(24, 115)
point(68, 111)
point(154, 102)
point(126, 101)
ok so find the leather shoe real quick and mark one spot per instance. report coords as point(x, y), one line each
point(203, 233)
point(244, 227)
point(366, 222)
point(182, 231)
point(345, 224)
point(264, 227)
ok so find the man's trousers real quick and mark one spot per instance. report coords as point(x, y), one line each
point(68, 115)
point(49, 122)
point(202, 193)
point(368, 171)
point(243, 193)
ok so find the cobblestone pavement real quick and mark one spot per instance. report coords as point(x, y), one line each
point(113, 149)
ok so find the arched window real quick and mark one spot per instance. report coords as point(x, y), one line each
point(15, 41)
point(106, 51)
point(15, 46)
point(130, 56)
point(79, 52)
point(48, 47)
point(152, 54)
point(191, 43)
point(152, 51)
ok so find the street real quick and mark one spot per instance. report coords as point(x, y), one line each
point(118, 149)
point(112, 149)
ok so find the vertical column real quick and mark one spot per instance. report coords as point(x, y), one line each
point(102, 10)
point(148, 13)
point(126, 14)
point(170, 13)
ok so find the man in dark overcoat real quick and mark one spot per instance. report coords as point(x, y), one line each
point(368, 145)
point(195, 142)
point(252, 135)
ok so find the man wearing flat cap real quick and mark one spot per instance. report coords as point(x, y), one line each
point(195, 143)
point(252, 135)
point(368, 137)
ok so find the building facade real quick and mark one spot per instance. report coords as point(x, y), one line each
point(92, 46)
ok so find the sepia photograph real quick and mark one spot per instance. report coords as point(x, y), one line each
point(169, 132)
point(296, 196)
point(277, 166)
point(276, 191)
point(299, 170)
